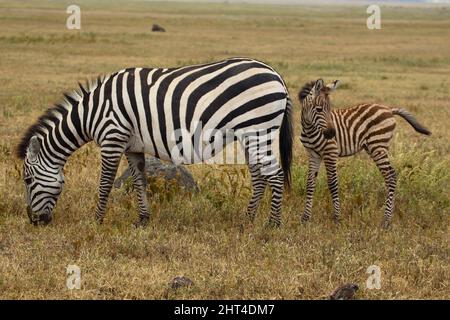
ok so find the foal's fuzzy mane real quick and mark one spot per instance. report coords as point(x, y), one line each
point(69, 100)
point(303, 93)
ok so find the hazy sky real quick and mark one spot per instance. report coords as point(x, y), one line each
point(328, 1)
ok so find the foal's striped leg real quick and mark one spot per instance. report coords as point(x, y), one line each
point(136, 163)
point(330, 160)
point(258, 186)
point(313, 169)
point(381, 158)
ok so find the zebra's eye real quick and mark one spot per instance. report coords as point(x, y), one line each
point(319, 109)
point(28, 180)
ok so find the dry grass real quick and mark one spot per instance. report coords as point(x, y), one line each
point(205, 236)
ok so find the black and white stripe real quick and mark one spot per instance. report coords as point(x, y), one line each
point(173, 114)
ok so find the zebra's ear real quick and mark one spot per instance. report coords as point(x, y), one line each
point(333, 85)
point(33, 147)
point(318, 85)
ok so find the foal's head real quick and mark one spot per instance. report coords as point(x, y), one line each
point(316, 106)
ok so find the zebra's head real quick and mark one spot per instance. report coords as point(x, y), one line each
point(43, 183)
point(316, 106)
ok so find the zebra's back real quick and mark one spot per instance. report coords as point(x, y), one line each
point(159, 106)
point(362, 125)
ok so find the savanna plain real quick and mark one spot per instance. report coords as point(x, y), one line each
point(205, 236)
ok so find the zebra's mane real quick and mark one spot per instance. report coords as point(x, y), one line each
point(303, 93)
point(68, 101)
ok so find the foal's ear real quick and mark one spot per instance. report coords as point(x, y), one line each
point(333, 86)
point(33, 147)
point(318, 86)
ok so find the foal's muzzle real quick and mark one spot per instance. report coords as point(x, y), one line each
point(39, 218)
point(329, 133)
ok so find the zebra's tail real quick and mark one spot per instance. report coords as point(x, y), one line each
point(411, 120)
point(286, 142)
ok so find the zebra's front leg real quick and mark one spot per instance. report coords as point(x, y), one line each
point(313, 169)
point(110, 163)
point(330, 161)
point(258, 187)
point(136, 162)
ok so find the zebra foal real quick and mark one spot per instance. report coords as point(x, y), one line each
point(329, 134)
point(184, 115)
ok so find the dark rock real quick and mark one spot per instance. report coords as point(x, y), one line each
point(158, 28)
point(168, 171)
point(345, 292)
point(180, 281)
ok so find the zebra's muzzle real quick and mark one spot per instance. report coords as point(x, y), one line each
point(37, 219)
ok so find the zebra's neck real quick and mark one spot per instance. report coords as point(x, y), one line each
point(68, 126)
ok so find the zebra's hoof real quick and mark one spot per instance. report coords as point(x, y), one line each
point(251, 217)
point(142, 222)
point(336, 220)
point(304, 219)
point(272, 224)
point(386, 224)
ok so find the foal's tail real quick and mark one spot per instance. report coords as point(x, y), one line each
point(411, 120)
point(286, 142)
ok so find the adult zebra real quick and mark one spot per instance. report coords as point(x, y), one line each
point(329, 134)
point(173, 114)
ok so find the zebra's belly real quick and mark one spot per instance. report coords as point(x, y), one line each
point(347, 150)
point(345, 144)
point(190, 150)
point(139, 145)
point(348, 153)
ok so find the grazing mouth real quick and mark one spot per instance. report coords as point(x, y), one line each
point(37, 219)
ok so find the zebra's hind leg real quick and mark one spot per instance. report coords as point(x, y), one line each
point(110, 163)
point(330, 161)
point(136, 162)
point(381, 158)
point(261, 159)
point(258, 186)
point(276, 183)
